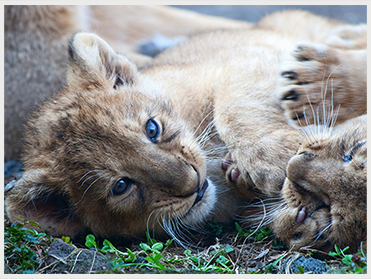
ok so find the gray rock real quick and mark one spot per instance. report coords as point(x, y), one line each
point(64, 258)
point(310, 265)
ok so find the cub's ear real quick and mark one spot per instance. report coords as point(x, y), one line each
point(93, 63)
point(31, 198)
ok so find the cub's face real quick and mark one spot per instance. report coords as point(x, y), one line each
point(325, 190)
point(107, 156)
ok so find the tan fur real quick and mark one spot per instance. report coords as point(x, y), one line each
point(213, 93)
point(329, 187)
point(317, 76)
point(36, 39)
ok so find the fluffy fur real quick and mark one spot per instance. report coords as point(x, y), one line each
point(36, 39)
point(161, 133)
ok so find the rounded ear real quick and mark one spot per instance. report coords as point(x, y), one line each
point(93, 63)
point(31, 198)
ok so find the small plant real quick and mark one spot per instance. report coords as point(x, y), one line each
point(214, 228)
point(218, 262)
point(119, 259)
point(259, 233)
point(271, 267)
point(20, 246)
point(67, 240)
point(354, 263)
point(155, 258)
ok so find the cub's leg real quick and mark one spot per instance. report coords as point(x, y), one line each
point(260, 143)
point(319, 81)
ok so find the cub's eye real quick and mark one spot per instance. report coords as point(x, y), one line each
point(121, 186)
point(348, 158)
point(152, 130)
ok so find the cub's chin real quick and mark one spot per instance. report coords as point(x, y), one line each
point(203, 204)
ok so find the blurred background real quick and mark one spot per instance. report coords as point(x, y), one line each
point(351, 13)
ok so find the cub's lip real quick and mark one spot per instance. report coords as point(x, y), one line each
point(201, 192)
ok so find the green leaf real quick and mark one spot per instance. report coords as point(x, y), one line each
point(131, 254)
point(347, 260)
point(228, 248)
point(342, 251)
point(150, 240)
point(66, 239)
point(337, 250)
point(157, 257)
point(168, 242)
point(108, 247)
point(34, 224)
point(149, 259)
point(222, 259)
point(259, 237)
point(187, 252)
point(145, 247)
point(238, 227)
point(301, 269)
point(157, 246)
point(90, 241)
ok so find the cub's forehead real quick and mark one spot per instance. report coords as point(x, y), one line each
point(122, 104)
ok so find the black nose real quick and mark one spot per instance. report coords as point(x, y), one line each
point(201, 192)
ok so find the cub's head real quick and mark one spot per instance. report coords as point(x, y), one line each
point(106, 155)
point(325, 190)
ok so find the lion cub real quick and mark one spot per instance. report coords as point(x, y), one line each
point(120, 151)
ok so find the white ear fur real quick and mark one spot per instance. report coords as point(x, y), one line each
point(93, 63)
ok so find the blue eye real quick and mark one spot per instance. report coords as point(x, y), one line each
point(348, 158)
point(121, 186)
point(152, 130)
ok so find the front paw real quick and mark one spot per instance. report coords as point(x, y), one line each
point(236, 179)
point(307, 83)
point(253, 175)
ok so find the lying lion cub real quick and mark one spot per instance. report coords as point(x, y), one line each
point(120, 151)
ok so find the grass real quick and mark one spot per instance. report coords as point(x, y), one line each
point(22, 246)
point(240, 252)
point(352, 263)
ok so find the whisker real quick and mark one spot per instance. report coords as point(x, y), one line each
point(88, 189)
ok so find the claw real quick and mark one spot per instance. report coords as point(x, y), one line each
point(227, 162)
point(235, 173)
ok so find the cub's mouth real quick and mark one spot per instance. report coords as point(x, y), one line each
point(310, 204)
point(200, 194)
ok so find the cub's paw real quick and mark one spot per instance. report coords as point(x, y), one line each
point(238, 180)
point(307, 83)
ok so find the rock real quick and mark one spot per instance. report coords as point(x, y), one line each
point(310, 265)
point(64, 258)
